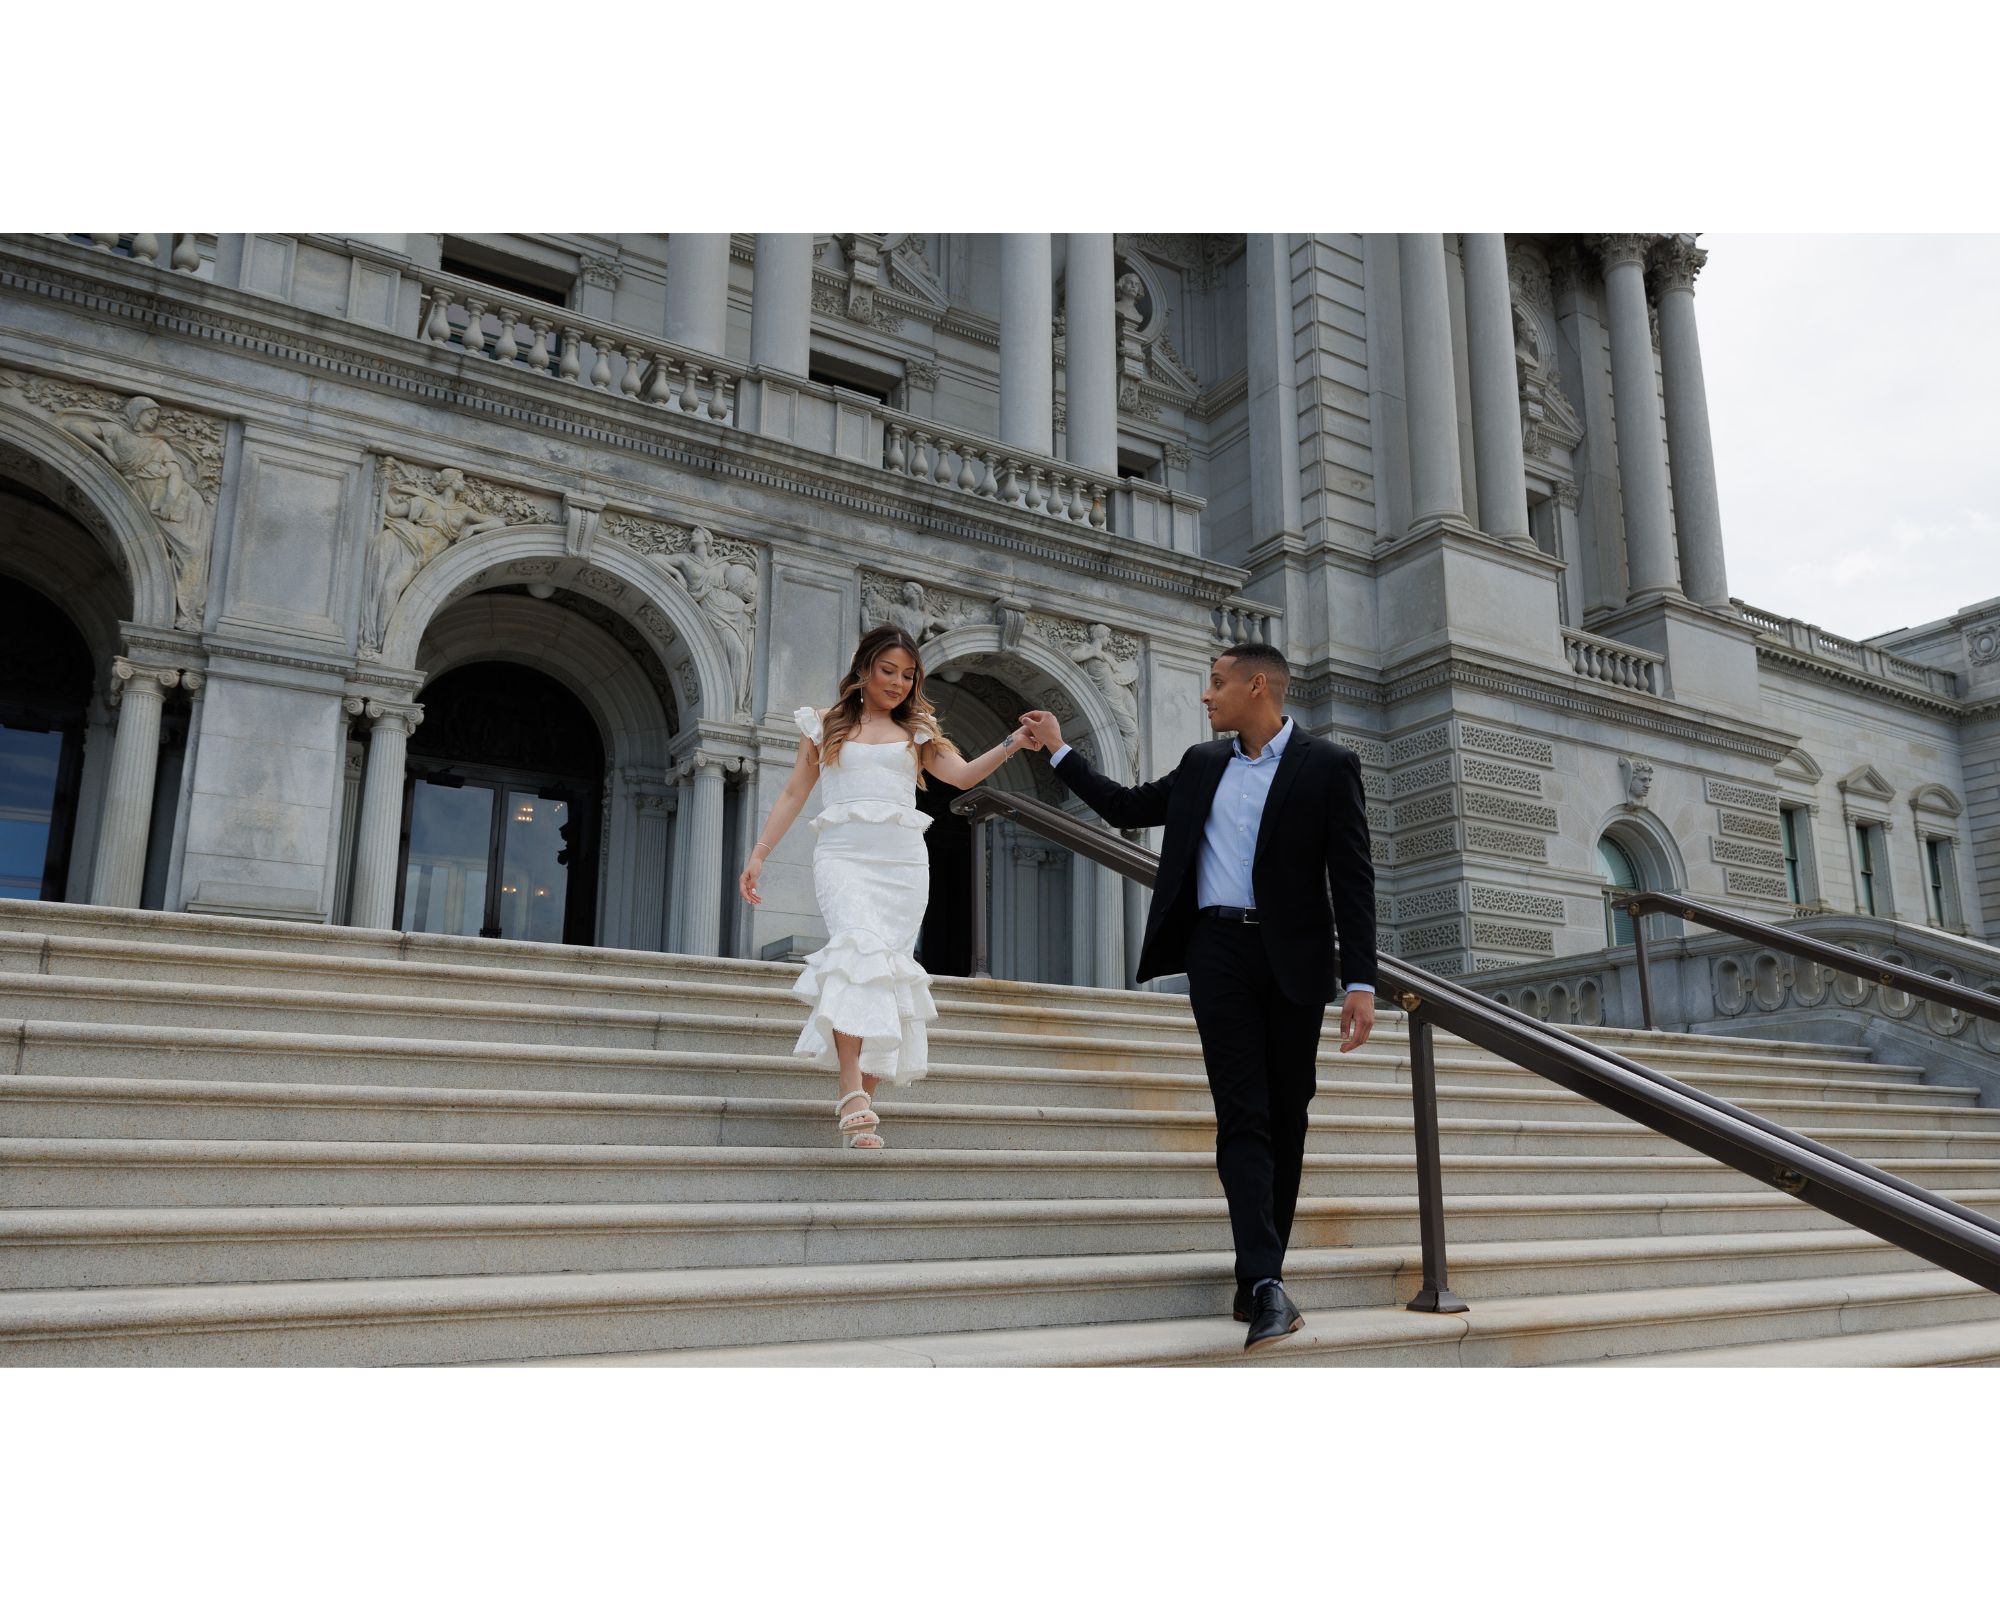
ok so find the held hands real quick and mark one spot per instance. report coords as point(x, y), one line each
point(1042, 730)
point(1357, 1019)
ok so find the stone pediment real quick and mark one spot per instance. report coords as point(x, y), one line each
point(1797, 764)
point(910, 271)
point(1865, 783)
point(1937, 800)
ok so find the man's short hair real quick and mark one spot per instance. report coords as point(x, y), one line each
point(1263, 658)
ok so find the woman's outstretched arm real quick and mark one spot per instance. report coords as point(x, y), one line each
point(791, 800)
point(963, 774)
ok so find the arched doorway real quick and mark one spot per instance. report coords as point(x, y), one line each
point(45, 685)
point(501, 809)
point(1620, 870)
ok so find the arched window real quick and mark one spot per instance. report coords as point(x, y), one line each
point(1615, 862)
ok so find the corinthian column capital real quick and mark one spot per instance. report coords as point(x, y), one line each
point(1676, 262)
point(1617, 249)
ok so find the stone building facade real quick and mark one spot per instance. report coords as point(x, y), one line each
point(466, 583)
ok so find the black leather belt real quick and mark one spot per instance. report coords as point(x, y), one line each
point(1247, 915)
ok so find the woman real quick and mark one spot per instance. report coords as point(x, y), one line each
point(870, 752)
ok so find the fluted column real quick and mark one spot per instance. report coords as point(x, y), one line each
point(781, 303)
point(140, 693)
point(1496, 389)
point(1027, 351)
point(1437, 487)
point(1691, 449)
point(649, 868)
point(1090, 318)
point(377, 841)
point(677, 862)
point(698, 290)
point(701, 894)
point(1273, 385)
point(1642, 461)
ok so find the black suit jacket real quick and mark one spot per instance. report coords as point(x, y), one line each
point(1312, 873)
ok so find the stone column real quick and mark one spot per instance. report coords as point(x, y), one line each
point(698, 290)
point(1697, 512)
point(1437, 489)
point(781, 303)
point(353, 769)
point(1496, 389)
point(378, 839)
point(1273, 389)
point(1110, 920)
point(1027, 351)
point(649, 868)
point(141, 692)
point(701, 892)
point(1091, 320)
point(1642, 462)
point(677, 863)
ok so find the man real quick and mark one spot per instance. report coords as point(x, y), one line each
point(1260, 830)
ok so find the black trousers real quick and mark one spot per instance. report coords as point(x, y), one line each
point(1260, 1050)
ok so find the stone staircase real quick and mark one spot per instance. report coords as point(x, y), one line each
point(227, 1142)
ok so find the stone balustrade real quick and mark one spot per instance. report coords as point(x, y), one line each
point(1247, 622)
point(182, 251)
point(954, 459)
point(1609, 661)
point(555, 343)
point(1805, 639)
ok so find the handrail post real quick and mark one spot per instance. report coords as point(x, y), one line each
point(1436, 1294)
point(1644, 966)
point(982, 966)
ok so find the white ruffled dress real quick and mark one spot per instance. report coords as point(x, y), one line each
point(872, 875)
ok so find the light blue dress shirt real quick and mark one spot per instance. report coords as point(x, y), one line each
point(1229, 842)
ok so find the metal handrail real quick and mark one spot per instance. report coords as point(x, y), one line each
point(1918, 985)
point(1891, 1208)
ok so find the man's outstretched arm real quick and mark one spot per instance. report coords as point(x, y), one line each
point(1141, 806)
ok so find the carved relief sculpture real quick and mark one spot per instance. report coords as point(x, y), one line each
point(1638, 776)
point(424, 514)
point(724, 584)
point(170, 459)
point(1115, 679)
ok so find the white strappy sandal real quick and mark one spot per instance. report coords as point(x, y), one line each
point(859, 1126)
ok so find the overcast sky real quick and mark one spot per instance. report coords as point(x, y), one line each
point(1854, 394)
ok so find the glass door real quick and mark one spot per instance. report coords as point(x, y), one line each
point(448, 869)
point(534, 868)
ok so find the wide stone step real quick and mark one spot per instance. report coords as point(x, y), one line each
point(134, 1108)
point(225, 1172)
point(117, 1245)
point(1525, 1331)
point(191, 937)
point(83, 1049)
point(1952, 1344)
point(384, 1321)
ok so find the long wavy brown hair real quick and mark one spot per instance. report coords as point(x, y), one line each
point(915, 714)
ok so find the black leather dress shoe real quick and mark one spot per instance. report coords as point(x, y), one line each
point(1272, 1317)
point(1241, 1309)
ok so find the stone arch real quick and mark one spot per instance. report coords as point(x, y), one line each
point(633, 724)
point(1027, 667)
point(1649, 843)
point(66, 472)
point(76, 573)
point(612, 576)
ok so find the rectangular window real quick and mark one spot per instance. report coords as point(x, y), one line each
point(836, 373)
point(1865, 863)
point(1934, 873)
point(1794, 885)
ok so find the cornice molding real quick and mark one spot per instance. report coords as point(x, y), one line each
point(1801, 666)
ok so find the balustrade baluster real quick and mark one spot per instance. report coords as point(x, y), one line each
point(438, 328)
point(989, 478)
point(919, 442)
point(659, 391)
point(572, 355)
point(897, 459)
point(106, 241)
point(146, 247)
point(505, 348)
point(969, 473)
point(690, 399)
point(600, 372)
point(945, 471)
point(1037, 499)
point(722, 403)
point(1095, 511)
point(1011, 491)
point(629, 382)
point(187, 253)
point(475, 327)
point(538, 352)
